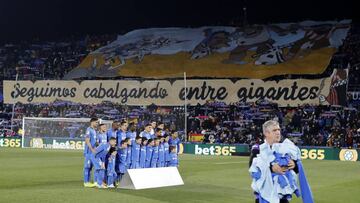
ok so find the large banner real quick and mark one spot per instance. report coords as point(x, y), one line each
point(331, 90)
point(256, 51)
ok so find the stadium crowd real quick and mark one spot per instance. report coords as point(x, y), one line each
point(217, 122)
point(46, 60)
point(351, 51)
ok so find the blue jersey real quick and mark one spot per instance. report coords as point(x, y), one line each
point(149, 152)
point(131, 136)
point(121, 135)
point(101, 151)
point(111, 133)
point(161, 153)
point(155, 156)
point(175, 142)
point(166, 151)
point(122, 159)
point(152, 134)
point(173, 160)
point(90, 133)
point(110, 169)
point(101, 138)
point(135, 153)
point(142, 156)
point(146, 134)
point(128, 155)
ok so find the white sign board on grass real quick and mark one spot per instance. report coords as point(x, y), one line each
point(146, 178)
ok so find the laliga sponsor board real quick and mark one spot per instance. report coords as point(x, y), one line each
point(348, 155)
point(312, 153)
point(54, 143)
point(10, 142)
point(214, 149)
point(327, 153)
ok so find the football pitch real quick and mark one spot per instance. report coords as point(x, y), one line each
point(31, 175)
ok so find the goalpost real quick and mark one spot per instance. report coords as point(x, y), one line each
point(55, 133)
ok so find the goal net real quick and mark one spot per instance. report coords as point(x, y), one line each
point(56, 133)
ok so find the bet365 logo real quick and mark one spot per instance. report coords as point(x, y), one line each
point(215, 150)
point(10, 142)
point(313, 154)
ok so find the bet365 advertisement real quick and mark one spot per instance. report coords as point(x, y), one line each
point(312, 153)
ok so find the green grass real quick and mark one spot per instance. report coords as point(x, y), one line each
point(29, 175)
